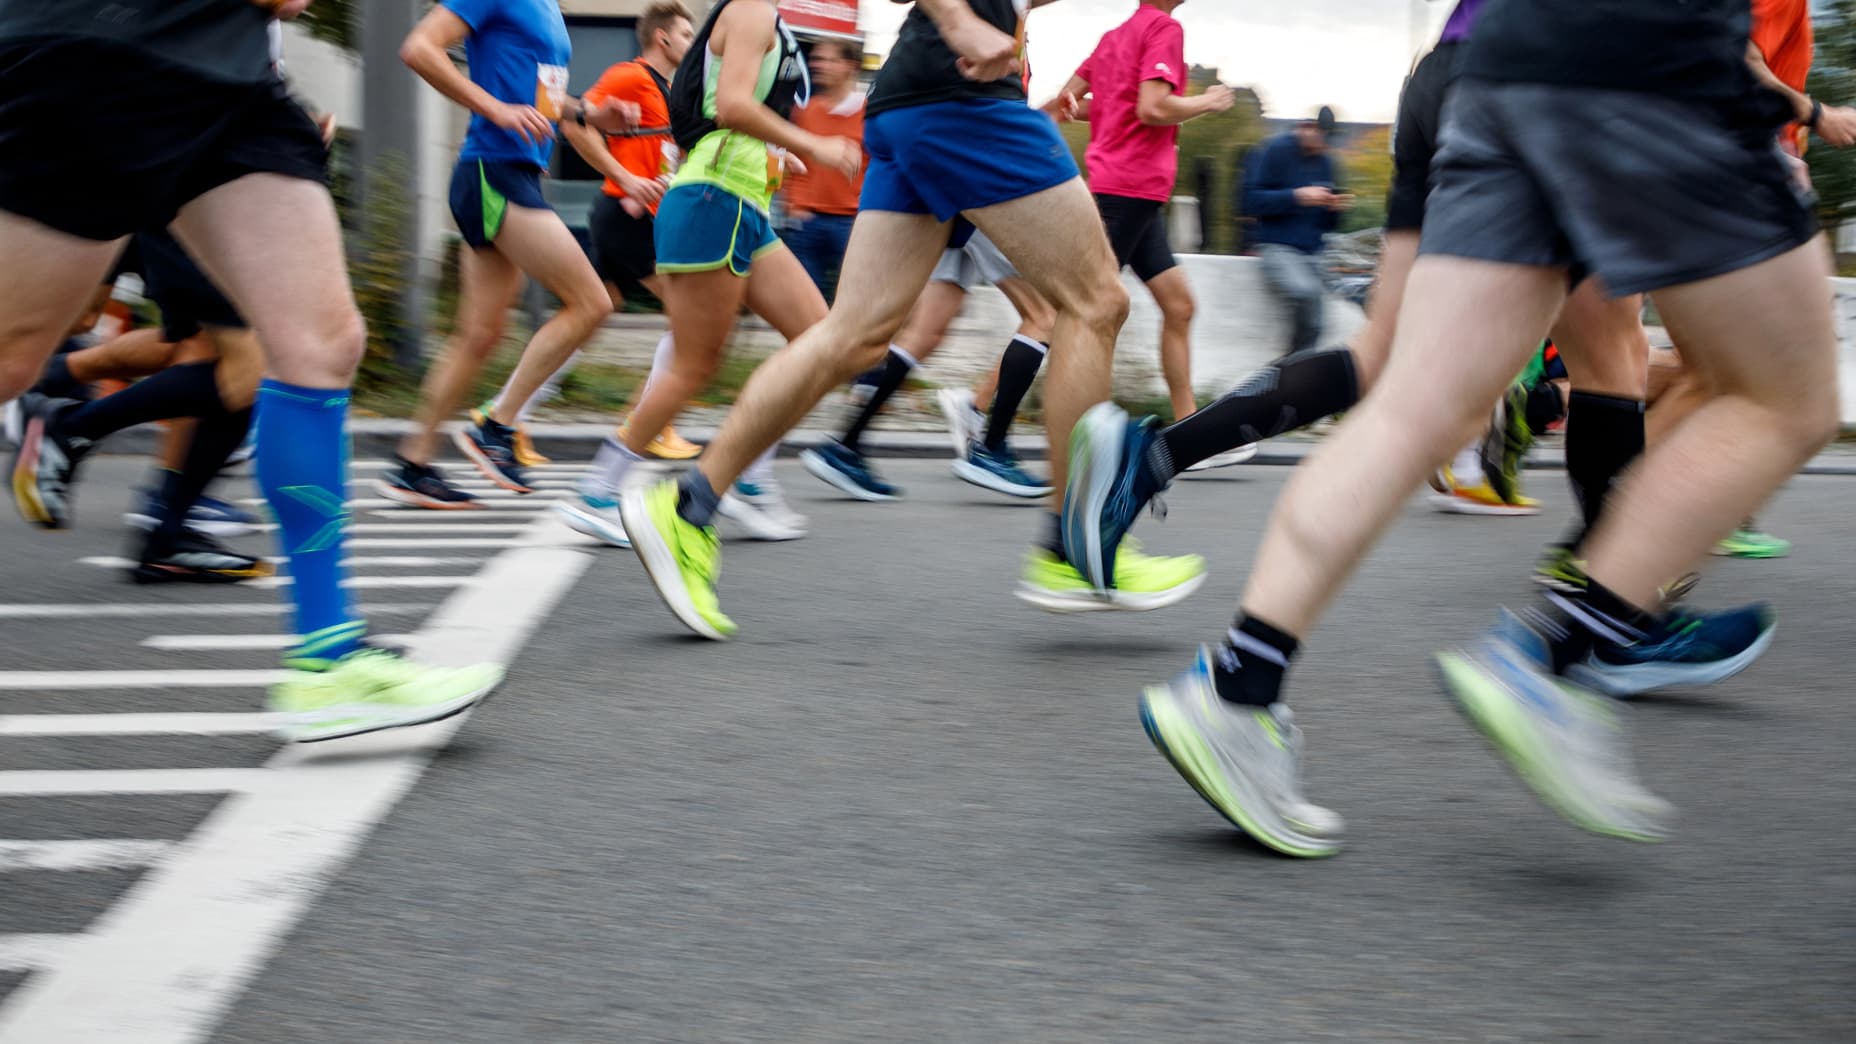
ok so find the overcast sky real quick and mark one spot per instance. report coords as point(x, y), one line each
point(1297, 54)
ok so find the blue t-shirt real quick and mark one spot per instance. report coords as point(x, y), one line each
point(518, 52)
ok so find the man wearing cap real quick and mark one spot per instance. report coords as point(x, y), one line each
point(1290, 190)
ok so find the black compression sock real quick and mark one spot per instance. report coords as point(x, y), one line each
point(696, 499)
point(1572, 622)
point(190, 390)
point(1282, 396)
point(1053, 535)
point(1604, 433)
point(1248, 666)
point(1018, 367)
point(214, 440)
point(896, 368)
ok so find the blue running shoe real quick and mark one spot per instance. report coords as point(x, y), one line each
point(1001, 473)
point(1567, 744)
point(1104, 495)
point(492, 447)
point(838, 465)
point(1687, 649)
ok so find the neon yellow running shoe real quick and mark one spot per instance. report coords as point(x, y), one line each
point(1142, 582)
point(682, 560)
point(1748, 542)
point(374, 689)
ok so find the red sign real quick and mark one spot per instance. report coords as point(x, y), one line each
point(837, 17)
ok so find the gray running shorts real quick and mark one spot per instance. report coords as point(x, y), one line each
point(1643, 190)
point(977, 263)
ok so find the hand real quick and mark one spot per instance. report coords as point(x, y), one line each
point(525, 120)
point(614, 116)
point(1314, 196)
point(284, 9)
point(1068, 107)
point(797, 216)
point(646, 191)
point(631, 206)
point(1219, 98)
point(840, 154)
point(985, 53)
point(1340, 201)
point(1837, 126)
point(326, 125)
point(1799, 170)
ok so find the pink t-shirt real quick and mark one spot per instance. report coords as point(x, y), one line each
point(1127, 157)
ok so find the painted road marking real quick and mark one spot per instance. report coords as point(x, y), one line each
point(134, 724)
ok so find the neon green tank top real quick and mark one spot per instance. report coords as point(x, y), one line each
point(739, 163)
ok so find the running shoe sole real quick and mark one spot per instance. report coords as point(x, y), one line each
point(306, 731)
point(756, 522)
point(1450, 505)
point(147, 523)
point(489, 470)
point(26, 476)
point(1722, 552)
point(588, 524)
point(822, 470)
point(147, 573)
point(414, 498)
point(967, 471)
point(1495, 717)
point(659, 565)
point(957, 410)
point(1113, 600)
point(1093, 462)
point(1231, 458)
point(1638, 678)
point(1195, 762)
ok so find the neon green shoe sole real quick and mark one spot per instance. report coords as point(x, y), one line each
point(373, 690)
point(1748, 543)
point(1143, 583)
point(682, 560)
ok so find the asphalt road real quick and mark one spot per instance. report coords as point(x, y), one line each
point(903, 806)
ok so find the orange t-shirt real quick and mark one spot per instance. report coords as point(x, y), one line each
point(1782, 32)
point(643, 155)
point(827, 191)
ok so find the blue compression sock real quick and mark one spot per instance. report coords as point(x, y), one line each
point(303, 470)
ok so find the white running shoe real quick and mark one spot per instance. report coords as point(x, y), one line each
point(761, 509)
point(1227, 458)
point(964, 423)
point(597, 517)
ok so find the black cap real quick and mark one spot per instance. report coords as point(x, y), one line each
point(1326, 121)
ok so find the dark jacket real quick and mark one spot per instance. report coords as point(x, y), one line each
point(1276, 169)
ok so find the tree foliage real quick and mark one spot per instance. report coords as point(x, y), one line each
point(1366, 171)
point(334, 21)
point(1833, 82)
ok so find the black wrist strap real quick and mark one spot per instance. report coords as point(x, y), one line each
point(1817, 113)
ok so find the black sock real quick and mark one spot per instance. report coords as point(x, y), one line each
point(1604, 434)
point(1053, 535)
point(57, 382)
point(1283, 396)
point(214, 440)
point(1018, 367)
point(696, 499)
point(896, 368)
point(1572, 622)
point(190, 390)
point(1249, 665)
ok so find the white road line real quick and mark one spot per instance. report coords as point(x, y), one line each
point(21, 952)
point(352, 562)
point(66, 856)
point(365, 583)
point(29, 680)
point(170, 956)
point(372, 464)
point(436, 528)
point(133, 724)
point(532, 502)
point(66, 611)
point(132, 781)
point(237, 642)
point(459, 543)
point(503, 511)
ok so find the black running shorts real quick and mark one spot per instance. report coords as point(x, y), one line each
point(1414, 136)
point(187, 298)
point(1642, 190)
point(624, 247)
point(1137, 232)
point(100, 141)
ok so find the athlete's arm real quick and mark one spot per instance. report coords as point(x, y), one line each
point(284, 10)
point(1835, 124)
point(985, 53)
point(1160, 107)
point(591, 145)
point(1071, 103)
point(424, 53)
point(743, 35)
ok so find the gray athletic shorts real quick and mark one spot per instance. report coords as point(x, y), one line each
point(977, 263)
point(1642, 190)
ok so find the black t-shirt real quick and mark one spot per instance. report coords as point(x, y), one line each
point(224, 40)
point(1682, 48)
point(921, 69)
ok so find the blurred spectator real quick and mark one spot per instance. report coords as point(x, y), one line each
point(821, 204)
point(1290, 189)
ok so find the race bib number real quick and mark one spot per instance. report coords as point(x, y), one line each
point(551, 90)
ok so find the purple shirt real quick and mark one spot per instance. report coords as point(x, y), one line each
point(1461, 20)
